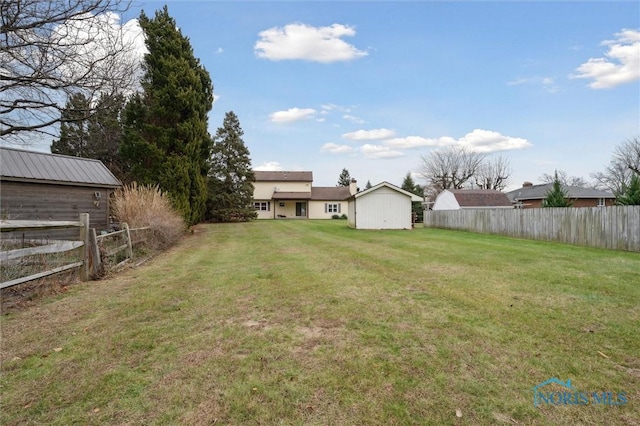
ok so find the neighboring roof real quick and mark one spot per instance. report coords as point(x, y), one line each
point(32, 166)
point(330, 193)
point(414, 197)
point(480, 198)
point(283, 176)
point(284, 195)
point(539, 192)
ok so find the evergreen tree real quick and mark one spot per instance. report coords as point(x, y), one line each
point(230, 177)
point(556, 196)
point(368, 185)
point(409, 185)
point(74, 128)
point(93, 133)
point(166, 141)
point(344, 179)
point(631, 194)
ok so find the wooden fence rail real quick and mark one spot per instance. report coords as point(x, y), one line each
point(616, 227)
point(6, 257)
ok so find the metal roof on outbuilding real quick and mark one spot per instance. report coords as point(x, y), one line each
point(41, 167)
point(539, 192)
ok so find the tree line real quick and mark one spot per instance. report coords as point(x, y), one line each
point(156, 136)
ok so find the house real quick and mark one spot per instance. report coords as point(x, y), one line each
point(456, 199)
point(291, 195)
point(531, 196)
point(383, 206)
point(42, 186)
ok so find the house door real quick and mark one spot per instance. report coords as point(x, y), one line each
point(301, 209)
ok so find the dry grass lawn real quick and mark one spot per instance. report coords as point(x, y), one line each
point(309, 322)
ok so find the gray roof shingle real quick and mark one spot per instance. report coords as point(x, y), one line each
point(17, 164)
point(330, 193)
point(539, 192)
point(283, 176)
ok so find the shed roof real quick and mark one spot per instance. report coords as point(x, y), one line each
point(328, 193)
point(32, 166)
point(273, 176)
point(539, 192)
point(481, 198)
point(374, 188)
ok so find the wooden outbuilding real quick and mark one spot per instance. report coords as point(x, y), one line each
point(42, 186)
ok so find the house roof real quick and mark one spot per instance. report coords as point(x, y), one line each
point(374, 188)
point(330, 193)
point(289, 195)
point(539, 192)
point(32, 166)
point(480, 198)
point(283, 176)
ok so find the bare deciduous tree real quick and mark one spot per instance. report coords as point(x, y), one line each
point(493, 174)
point(564, 179)
point(624, 163)
point(450, 168)
point(52, 49)
point(628, 153)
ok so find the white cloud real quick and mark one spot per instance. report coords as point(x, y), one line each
point(621, 65)
point(368, 135)
point(419, 142)
point(379, 151)
point(548, 83)
point(292, 114)
point(300, 41)
point(219, 50)
point(353, 119)
point(271, 166)
point(336, 149)
point(488, 141)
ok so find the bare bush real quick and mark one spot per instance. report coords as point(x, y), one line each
point(147, 206)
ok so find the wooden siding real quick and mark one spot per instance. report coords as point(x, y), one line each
point(616, 227)
point(36, 201)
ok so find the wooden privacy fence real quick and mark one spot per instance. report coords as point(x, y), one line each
point(616, 227)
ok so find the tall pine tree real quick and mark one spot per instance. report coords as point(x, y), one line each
point(166, 140)
point(74, 128)
point(230, 177)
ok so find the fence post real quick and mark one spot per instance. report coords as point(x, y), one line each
point(84, 237)
point(96, 261)
point(128, 236)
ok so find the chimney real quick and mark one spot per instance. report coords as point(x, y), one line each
point(353, 187)
point(527, 184)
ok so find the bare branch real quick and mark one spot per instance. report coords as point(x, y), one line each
point(50, 50)
point(450, 168)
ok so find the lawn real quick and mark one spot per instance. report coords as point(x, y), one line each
point(309, 322)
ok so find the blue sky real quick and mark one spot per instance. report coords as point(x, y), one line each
point(373, 86)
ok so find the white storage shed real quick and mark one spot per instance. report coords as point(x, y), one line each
point(383, 206)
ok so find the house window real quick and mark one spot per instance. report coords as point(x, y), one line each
point(262, 205)
point(332, 207)
point(281, 204)
point(601, 202)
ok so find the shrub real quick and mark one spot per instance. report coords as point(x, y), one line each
point(147, 206)
point(335, 216)
point(344, 216)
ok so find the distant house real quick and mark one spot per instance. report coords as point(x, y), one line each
point(383, 206)
point(456, 199)
point(531, 196)
point(291, 195)
point(41, 186)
